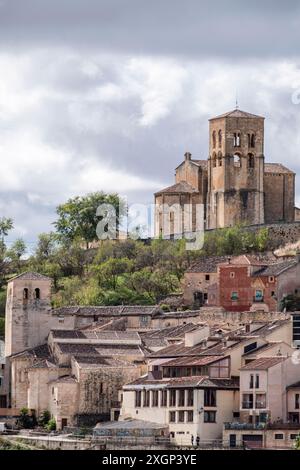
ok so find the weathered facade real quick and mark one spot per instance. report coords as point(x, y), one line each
point(234, 185)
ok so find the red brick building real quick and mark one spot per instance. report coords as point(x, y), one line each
point(249, 283)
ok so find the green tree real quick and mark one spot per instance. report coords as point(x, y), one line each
point(15, 253)
point(6, 225)
point(109, 272)
point(77, 218)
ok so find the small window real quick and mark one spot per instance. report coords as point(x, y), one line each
point(237, 139)
point(237, 160)
point(232, 275)
point(251, 160)
point(257, 381)
point(297, 401)
point(207, 277)
point(236, 414)
point(25, 294)
point(155, 398)
point(293, 436)
point(251, 385)
point(278, 436)
point(190, 416)
point(234, 296)
point(271, 279)
point(172, 417)
point(210, 416)
point(37, 293)
point(214, 158)
point(138, 398)
point(220, 138)
point(181, 416)
point(214, 139)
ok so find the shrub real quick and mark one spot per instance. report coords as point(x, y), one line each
point(51, 426)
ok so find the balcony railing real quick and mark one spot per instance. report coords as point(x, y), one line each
point(260, 404)
point(244, 426)
point(247, 405)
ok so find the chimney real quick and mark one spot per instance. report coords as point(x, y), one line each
point(187, 156)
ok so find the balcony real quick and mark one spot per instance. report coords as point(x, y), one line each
point(260, 404)
point(247, 405)
point(244, 426)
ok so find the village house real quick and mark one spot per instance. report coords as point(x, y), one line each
point(269, 404)
point(246, 283)
point(241, 283)
point(205, 364)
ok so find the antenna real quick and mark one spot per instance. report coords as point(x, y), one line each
point(236, 101)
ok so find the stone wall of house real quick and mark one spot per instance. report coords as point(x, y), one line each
point(99, 388)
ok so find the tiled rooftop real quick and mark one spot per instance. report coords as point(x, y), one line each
point(264, 363)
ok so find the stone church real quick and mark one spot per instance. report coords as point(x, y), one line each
point(234, 185)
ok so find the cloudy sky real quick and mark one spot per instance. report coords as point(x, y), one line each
point(109, 94)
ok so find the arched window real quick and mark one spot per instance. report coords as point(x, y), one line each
point(220, 158)
point(37, 293)
point(214, 139)
point(25, 294)
point(236, 139)
point(251, 161)
point(220, 138)
point(214, 158)
point(237, 160)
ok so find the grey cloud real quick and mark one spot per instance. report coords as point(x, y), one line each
point(172, 27)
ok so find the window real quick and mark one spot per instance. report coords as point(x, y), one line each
point(220, 369)
point(250, 347)
point(220, 158)
point(25, 294)
point(146, 398)
point(297, 401)
point(207, 277)
point(232, 275)
point(251, 160)
point(257, 381)
point(210, 416)
point(163, 398)
point(271, 279)
point(180, 416)
point(214, 160)
point(220, 138)
point(37, 293)
point(155, 398)
point(181, 398)
point(253, 140)
point(251, 385)
point(278, 436)
point(236, 414)
point(214, 139)
point(234, 296)
point(210, 397)
point(260, 401)
point(237, 160)
point(172, 398)
point(138, 399)
point(293, 436)
point(172, 417)
point(236, 139)
point(190, 398)
point(101, 387)
point(259, 295)
point(190, 416)
point(247, 401)
point(144, 320)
